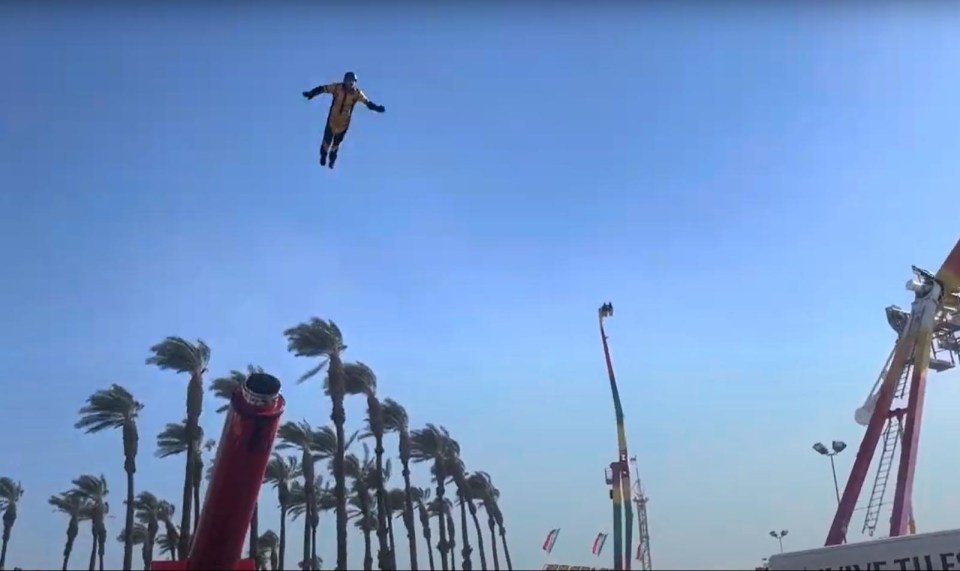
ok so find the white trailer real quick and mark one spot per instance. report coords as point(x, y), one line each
point(921, 552)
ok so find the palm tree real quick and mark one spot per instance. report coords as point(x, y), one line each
point(322, 338)
point(492, 505)
point(267, 550)
point(442, 509)
point(165, 513)
point(447, 509)
point(395, 420)
point(223, 388)
point(72, 505)
point(172, 441)
point(457, 472)
point(281, 472)
point(420, 496)
point(481, 487)
point(168, 545)
point(149, 513)
point(396, 504)
point(359, 379)
point(94, 490)
point(198, 476)
point(365, 521)
point(313, 445)
point(362, 474)
point(434, 444)
point(178, 354)
point(323, 501)
point(298, 506)
point(115, 408)
point(10, 494)
point(138, 534)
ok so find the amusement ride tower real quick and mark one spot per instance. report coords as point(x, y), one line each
point(927, 338)
point(619, 476)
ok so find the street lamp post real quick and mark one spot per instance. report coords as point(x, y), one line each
point(838, 447)
point(779, 537)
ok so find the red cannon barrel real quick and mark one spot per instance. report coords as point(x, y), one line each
point(245, 446)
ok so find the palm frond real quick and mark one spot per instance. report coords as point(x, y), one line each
point(178, 354)
point(314, 338)
point(139, 534)
point(10, 491)
point(359, 379)
point(281, 470)
point(108, 408)
point(173, 439)
point(395, 418)
point(92, 488)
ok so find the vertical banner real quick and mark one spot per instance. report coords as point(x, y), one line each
point(551, 540)
point(598, 543)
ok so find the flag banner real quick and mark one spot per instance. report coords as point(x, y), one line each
point(598, 543)
point(551, 540)
point(639, 551)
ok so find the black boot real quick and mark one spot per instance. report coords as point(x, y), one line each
point(323, 158)
point(333, 158)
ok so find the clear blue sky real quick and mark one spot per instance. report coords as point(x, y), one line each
point(749, 189)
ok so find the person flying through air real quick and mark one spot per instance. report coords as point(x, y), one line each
point(345, 95)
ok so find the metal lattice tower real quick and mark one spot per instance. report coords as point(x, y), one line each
point(643, 539)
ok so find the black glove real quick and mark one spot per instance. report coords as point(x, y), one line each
point(307, 95)
point(379, 108)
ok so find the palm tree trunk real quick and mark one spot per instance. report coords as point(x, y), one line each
point(196, 499)
point(71, 537)
point(339, 418)
point(506, 550)
point(309, 479)
point(3, 549)
point(408, 509)
point(493, 543)
point(283, 535)
point(367, 551)
point(425, 526)
point(194, 410)
point(128, 522)
point(102, 547)
point(313, 542)
point(476, 525)
point(9, 518)
point(148, 553)
point(93, 550)
point(451, 537)
point(393, 556)
point(383, 555)
point(306, 537)
point(442, 543)
point(466, 550)
point(183, 546)
point(254, 530)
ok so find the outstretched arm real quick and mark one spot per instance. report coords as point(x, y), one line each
point(374, 107)
point(370, 104)
point(318, 90)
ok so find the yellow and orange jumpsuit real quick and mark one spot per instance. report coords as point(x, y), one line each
point(338, 118)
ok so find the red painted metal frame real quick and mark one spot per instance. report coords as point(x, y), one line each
point(900, 521)
point(241, 461)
